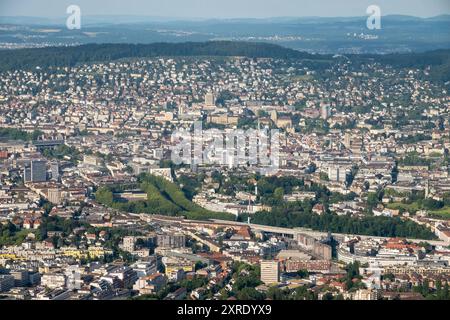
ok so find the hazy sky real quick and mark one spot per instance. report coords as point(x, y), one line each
point(223, 8)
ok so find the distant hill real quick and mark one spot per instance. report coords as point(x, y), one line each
point(437, 60)
point(132, 19)
point(442, 17)
point(325, 35)
point(28, 59)
point(407, 60)
point(70, 56)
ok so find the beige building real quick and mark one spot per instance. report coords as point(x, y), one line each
point(92, 160)
point(54, 196)
point(365, 294)
point(53, 280)
point(210, 99)
point(270, 271)
point(223, 119)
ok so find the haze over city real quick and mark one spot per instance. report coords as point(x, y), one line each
point(225, 9)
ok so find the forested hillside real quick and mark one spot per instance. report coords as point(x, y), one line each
point(70, 56)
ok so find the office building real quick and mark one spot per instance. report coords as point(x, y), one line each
point(129, 243)
point(270, 271)
point(210, 100)
point(6, 282)
point(325, 111)
point(171, 240)
point(21, 278)
point(53, 280)
point(335, 174)
point(92, 160)
point(36, 171)
point(73, 277)
point(146, 266)
point(54, 169)
point(126, 275)
point(54, 196)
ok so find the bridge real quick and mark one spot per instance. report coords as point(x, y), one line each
point(47, 143)
point(293, 232)
point(287, 232)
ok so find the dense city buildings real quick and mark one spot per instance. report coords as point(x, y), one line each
point(154, 177)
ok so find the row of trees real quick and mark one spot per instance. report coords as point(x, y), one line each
point(442, 292)
point(417, 201)
point(63, 151)
point(10, 234)
point(300, 214)
point(16, 134)
point(414, 159)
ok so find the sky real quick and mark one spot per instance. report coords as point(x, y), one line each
point(224, 8)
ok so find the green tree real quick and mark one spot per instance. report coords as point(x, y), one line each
point(303, 273)
point(249, 293)
point(278, 193)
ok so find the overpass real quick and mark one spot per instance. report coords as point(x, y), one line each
point(47, 143)
point(316, 234)
point(285, 232)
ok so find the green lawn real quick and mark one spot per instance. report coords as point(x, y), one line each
point(442, 213)
point(413, 207)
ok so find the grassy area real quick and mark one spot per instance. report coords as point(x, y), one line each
point(175, 195)
point(412, 207)
point(163, 197)
point(441, 213)
point(16, 237)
